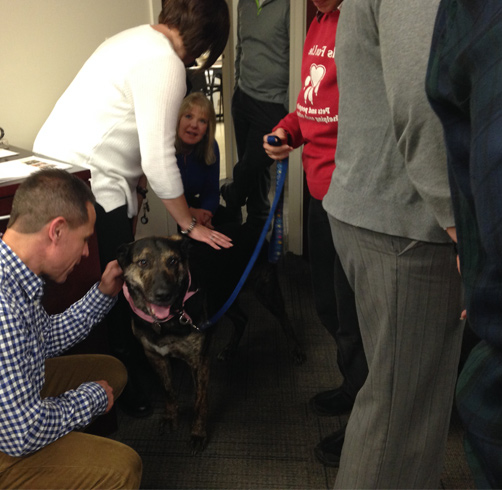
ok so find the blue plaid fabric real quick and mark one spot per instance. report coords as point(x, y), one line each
point(28, 336)
point(464, 84)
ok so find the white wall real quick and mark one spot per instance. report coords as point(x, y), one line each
point(44, 43)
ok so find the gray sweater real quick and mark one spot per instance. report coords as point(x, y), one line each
point(262, 51)
point(391, 174)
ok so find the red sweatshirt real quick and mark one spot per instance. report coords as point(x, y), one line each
point(315, 121)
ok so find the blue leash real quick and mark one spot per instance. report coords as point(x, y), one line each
point(277, 238)
point(276, 243)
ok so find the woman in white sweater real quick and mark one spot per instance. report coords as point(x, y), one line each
point(118, 117)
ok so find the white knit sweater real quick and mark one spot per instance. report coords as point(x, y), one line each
point(118, 117)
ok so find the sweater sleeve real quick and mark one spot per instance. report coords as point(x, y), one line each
point(291, 125)
point(158, 87)
point(417, 129)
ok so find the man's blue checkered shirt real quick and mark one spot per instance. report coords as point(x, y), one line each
point(28, 336)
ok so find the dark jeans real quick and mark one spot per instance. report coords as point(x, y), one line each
point(253, 119)
point(335, 302)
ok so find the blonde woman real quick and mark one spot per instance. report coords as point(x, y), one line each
point(198, 156)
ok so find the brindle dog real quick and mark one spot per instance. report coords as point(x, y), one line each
point(158, 281)
point(160, 272)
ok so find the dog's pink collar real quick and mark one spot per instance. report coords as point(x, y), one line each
point(168, 315)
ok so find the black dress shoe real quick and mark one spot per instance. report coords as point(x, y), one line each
point(231, 212)
point(224, 191)
point(331, 403)
point(329, 450)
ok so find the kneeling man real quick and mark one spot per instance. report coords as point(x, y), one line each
point(44, 398)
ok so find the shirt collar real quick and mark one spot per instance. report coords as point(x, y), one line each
point(17, 269)
point(320, 14)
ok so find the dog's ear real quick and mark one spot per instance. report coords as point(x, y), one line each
point(183, 242)
point(123, 253)
point(185, 245)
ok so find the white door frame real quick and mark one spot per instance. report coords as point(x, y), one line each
point(294, 197)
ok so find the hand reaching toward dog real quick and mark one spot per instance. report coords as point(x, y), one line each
point(109, 393)
point(211, 237)
point(112, 279)
point(178, 209)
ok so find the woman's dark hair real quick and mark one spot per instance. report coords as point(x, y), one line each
point(203, 25)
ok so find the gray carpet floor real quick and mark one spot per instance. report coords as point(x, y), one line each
point(261, 432)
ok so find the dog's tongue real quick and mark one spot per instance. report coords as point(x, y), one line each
point(159, 312)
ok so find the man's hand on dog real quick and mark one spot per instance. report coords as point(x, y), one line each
point(109, 393)
point(112, 279)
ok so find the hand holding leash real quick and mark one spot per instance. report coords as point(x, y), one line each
point(275, 145)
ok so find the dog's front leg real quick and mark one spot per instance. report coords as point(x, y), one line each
point(200, 373)
point(162, 367)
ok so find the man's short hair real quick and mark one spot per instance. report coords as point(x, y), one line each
point(47, 194)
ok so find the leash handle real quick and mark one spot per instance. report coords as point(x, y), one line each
point(281, 177)
point(273, 140)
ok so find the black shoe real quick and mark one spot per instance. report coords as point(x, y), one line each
point(232, 213)
point(134, 402)
point(224, 191)
point(329, 450)
point(331, 403)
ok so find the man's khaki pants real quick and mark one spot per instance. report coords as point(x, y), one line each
point(77, 460)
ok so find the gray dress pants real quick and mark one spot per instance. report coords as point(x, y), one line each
point(409, 301)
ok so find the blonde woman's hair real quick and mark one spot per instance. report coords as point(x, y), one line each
point(204, 149)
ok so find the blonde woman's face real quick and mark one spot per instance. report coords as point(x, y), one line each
point(193, 126)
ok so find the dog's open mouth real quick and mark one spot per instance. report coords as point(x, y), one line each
point(154, 313)
point(158, 312)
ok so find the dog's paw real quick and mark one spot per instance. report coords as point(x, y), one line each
point(198, 444)
point(226, 354)
point(167, 425)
